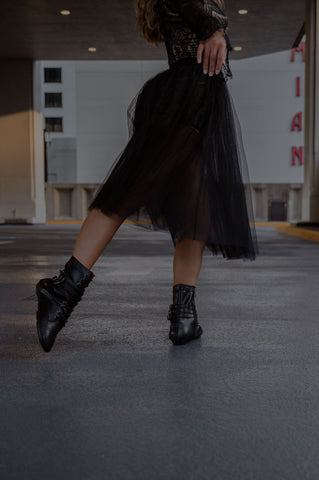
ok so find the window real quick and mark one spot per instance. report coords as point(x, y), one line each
point(53, 124)
point(53, 100)
point(53, 75)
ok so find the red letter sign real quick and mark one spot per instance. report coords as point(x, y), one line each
point(298, 87)
point(302, 49)
point(297, 152)
point(297, 122)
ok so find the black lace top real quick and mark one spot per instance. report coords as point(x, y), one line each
point(186, 22)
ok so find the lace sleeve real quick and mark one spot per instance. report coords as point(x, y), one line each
point(203, 17)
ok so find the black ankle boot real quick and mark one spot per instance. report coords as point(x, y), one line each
point(57, 297)
point(183, 315)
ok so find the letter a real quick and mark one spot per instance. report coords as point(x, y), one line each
point(297, 122)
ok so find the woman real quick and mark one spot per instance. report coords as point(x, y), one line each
point(183, 168)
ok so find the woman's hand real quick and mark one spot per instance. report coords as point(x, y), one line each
point(215, 52)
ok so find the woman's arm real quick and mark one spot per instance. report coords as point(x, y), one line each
point(202, 16)
point(208, 22)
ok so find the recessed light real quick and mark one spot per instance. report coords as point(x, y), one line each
point(242, 11)
point(92, 49)
point(238, 49)
point(65, 12)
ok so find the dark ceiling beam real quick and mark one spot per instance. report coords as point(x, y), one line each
point(33, 29)
point(301, 33)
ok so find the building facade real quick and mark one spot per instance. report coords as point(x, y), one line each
point(84, 105)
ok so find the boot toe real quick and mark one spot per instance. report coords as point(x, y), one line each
point(47, 332)
point(57, 297)
point(182, 332)
point(43, 339)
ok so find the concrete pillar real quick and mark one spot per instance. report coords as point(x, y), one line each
point(310, 194)
point(260, 202)
point(294, 203)
point(21, 146)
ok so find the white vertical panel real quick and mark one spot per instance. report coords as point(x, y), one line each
point(264, 92)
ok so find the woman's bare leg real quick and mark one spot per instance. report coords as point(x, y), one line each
point(182, 312)
point(188, 261)
point(96, 232)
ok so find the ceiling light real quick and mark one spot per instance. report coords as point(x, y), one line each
point(242, 11)
point(238, 49)
point(92, 49)
point(65, 12)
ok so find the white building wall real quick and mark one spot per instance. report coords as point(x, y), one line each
point(264, 92)
point(96, 95)
point(61, 149)
point(67, 87)
point(104, 91)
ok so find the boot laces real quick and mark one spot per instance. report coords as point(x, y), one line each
point(69, 296)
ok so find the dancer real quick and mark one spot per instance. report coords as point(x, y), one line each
point(183, 168)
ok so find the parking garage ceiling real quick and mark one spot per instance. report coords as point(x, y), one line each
point(35, 29)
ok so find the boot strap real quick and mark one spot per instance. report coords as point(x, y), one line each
point(178, 311)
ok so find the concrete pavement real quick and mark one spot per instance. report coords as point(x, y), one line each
point(116, 400)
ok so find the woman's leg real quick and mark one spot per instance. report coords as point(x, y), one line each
point(98, 230)
point(188, 261)
point(58, 296)
point(95, 234)
point(182, 312)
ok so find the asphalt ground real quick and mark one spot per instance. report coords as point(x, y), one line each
point(115, 399)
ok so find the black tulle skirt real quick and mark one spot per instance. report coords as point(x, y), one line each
point(184, 168)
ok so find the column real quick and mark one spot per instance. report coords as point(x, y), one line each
point(310, 193)
point(21, 146)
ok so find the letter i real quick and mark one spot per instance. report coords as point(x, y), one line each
point(298, 87)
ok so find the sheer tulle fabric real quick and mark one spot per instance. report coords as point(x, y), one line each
point(184, 167)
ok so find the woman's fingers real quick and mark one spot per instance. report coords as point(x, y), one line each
point(220, 61)
point(213, 52)
point(206, 61)
point(212, 61)
point(214, 58)
point(200, 49)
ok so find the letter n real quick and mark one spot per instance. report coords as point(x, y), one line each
point(297, 152)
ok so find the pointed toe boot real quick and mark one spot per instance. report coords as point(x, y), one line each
point(183, 315)
point(57, 298)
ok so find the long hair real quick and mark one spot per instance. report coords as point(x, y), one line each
point(148, 13)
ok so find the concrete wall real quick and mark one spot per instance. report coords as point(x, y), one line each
point(62, 160)
point(264, 92)
point(21, 146)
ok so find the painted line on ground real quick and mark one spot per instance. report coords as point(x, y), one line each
point(284, 227)
point(64, 222)
point(300, 232)
point(272, 224)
